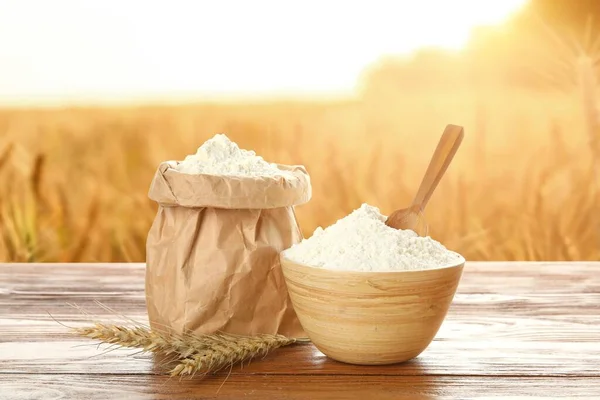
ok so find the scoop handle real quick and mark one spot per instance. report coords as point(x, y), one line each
point(443, 155)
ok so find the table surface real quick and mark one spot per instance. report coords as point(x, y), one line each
point(514, 330)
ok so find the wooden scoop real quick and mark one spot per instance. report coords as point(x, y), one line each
point(412, 217)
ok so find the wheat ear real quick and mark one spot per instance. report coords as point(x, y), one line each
point(229, 350)
point(194, 353)
point(140, 337)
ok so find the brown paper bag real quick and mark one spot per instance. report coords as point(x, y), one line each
point(212, 252)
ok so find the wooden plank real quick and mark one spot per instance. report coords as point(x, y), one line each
point(142, 387)
point(478, 277)
point(480, 345)
point(575, 308)
point(490, 334)
point(513, 329)
point(458, 326)
point(485, 357)
point(506, 288)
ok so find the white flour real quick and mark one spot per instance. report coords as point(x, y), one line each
point(221, 156)
point(362, 242)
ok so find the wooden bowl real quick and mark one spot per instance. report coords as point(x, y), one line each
point(371, 318)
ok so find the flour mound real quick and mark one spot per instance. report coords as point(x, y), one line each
point(362, 241)
point(221, 156)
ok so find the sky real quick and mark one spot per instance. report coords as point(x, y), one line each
point(86, 51)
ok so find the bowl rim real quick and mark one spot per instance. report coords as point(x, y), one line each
point(460, 262)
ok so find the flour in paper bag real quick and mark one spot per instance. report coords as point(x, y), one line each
point(212, 253)
point(220, 156)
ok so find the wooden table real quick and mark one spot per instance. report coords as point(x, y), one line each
point(514, 329)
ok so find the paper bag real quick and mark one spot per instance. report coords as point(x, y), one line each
point(212, 253)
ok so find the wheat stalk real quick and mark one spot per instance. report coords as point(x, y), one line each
point(5, 155)
point(588, 87)
point(207, 353)
point(37, 175)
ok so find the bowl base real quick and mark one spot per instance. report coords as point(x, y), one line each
point(370, 360)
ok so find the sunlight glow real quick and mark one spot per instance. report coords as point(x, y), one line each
point(89, 50)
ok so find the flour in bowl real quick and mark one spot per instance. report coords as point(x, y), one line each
point(221, 156)
point(362, 241)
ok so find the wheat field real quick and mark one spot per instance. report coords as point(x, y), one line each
point(74, 182)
